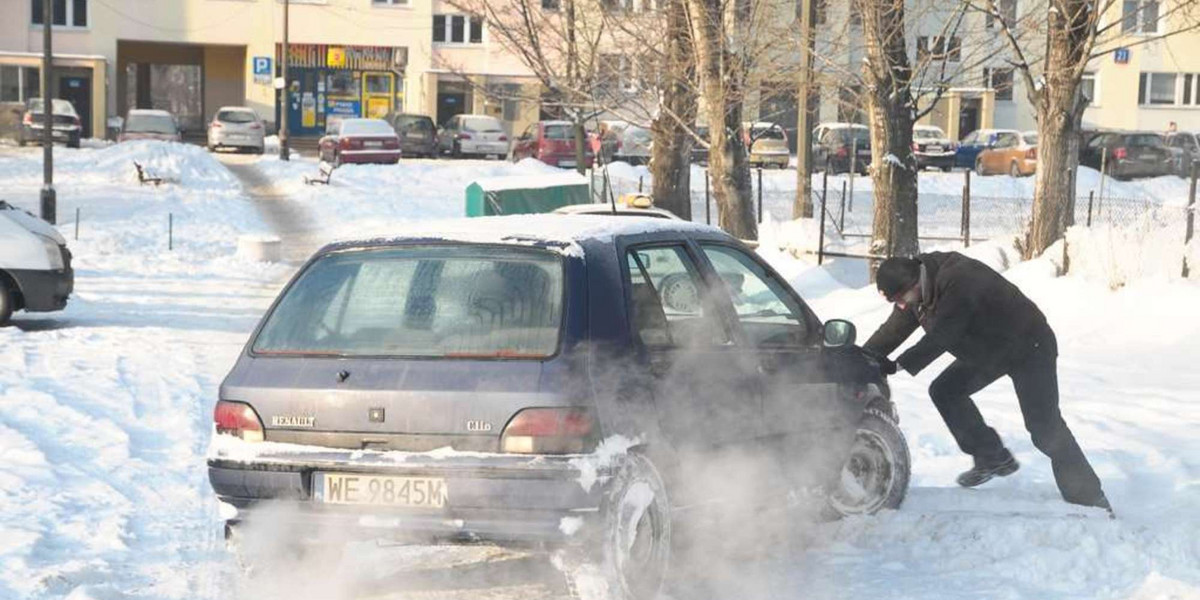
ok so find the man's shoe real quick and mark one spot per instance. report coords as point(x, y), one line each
point(985, 469)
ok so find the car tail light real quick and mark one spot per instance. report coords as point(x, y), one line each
point(504, 138)
point(217, 125)
point(550, 431)
point(391, 143)
point(842, 152)
point(916, 147)
point(1031, 154)
point(256, 126)
point(239, 420)
point(28, 119)
point(1120, 153)
point(463, 136)
point(75, 119)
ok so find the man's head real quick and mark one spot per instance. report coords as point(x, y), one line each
point(899, 280)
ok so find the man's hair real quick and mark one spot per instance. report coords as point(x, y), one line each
point(897, 274)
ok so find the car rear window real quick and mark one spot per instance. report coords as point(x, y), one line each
point(862, 134)
point(414, 124)
point(559, 132)
point(928, 134)
point(422, 301)
point(1031, 139)
point(236, 116)
point(150, 124)
point(1145, 139)
point(482, 125)
point(366, 127)
point(767, 133)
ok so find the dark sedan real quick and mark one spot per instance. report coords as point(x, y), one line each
point(359, 141)
point(1125, 155)
point(417, 133)
point(566, 380)
point(66, 126)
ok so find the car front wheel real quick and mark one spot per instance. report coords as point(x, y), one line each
point(6, 302)
point(979, 168)
point(876, 473)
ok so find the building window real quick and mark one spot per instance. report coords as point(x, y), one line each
point(67, 13)
point(1139, 16)
point(1087, 87)
point(18, 84)
point(389, 2)
point(1157, 89)
point(551, 4)
point(1189, 96)
point(939, 48)
point(1008, 12)
point(457, 29)
point(1000, 80)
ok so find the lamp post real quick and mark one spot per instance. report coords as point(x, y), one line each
point(284, 93)
point(49, 202)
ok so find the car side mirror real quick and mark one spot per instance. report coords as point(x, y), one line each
point(839, 333)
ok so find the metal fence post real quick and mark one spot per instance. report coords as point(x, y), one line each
point(760, 213)
point(639, 184)
point(77, 223)
point(843, 197)
point(1191, 217)
point(824, 184)
point(966, 210)
point(821, 235)
point(1091, 198)
point(707, 207)
point(170, 231)
point(842, 215)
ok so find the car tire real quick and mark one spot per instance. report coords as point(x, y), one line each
point(260, 150)
point(877, 470)
point(1014, 169)
point(73, 142)
point(456, 151)
point(947, 169)
point(979, 168)
point(7, 302)
point(634, 546)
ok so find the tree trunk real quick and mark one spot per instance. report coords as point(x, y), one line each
point(670, 162)
point(890, 104)
point(721, 78)
point(1059, 109)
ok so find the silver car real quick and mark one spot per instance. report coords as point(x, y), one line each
point(473, 135)
point(236, 127)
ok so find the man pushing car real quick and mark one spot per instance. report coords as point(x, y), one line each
point(992, 330)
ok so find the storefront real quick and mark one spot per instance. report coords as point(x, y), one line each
point(328, 81)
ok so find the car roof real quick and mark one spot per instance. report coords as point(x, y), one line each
point(842, 125)
point(563, 233)
point(623, 210)
point(237, 108)
point(556, 122)
point(149, 112)
point(933, 127)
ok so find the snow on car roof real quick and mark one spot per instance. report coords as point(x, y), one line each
point(563, 232)
point(520, 182)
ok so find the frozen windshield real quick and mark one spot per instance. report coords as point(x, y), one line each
point(766, 133)
point(150, 123)
point(482, 125)
point(237, 116)
point(366, 127)
point(61, 107)
point(441, 301)
point(931, 133)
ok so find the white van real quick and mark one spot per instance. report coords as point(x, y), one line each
point(35, 265)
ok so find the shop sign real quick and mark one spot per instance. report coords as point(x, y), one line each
point(349, 108)
point(336, 57)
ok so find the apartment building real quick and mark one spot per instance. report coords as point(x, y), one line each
point(345, 57)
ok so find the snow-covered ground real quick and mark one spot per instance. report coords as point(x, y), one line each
point(105, 408)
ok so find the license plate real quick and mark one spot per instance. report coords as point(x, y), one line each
point(372, 144)
point(933, 148)
point(492, 156)
point(380, 490)
point(413, 136)
point(566, 163)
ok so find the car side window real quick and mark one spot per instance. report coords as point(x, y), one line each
point(768, 314)
point(669, 306)
point(971, 137)
point(1006, 140)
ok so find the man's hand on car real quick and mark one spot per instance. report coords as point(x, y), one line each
point(887, 366)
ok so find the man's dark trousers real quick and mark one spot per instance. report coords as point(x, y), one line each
point(1035, 380)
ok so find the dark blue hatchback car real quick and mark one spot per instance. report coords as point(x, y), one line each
point(571, 380)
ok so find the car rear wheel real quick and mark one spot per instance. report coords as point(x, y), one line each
point(6, 302)
point(876, 473)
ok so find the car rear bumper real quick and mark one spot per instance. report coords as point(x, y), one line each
point(485, 148)
point(369, 156)
point(1138, 168)
point(34, 132)
point(44, 291)
point(237, 140)
point(945, 160)
point(489, 497)
point(770, 158)
point(565, 160)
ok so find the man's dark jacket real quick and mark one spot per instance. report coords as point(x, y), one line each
point(968, 310)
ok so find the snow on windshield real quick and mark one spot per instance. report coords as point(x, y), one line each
point(366, 127)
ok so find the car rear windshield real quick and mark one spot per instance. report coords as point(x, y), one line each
point(928, 134)
point(559, 132)
point(1144, 139)
point(366, 127)
point(482, 125)
point(448, 301)
point(61, 107)
point(236, 116)
point(150, 124)
point(767, 133)
point(862, 134)
point(414, 124)
point(1031, 139)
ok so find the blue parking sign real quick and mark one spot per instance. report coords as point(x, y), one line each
point(262, 65)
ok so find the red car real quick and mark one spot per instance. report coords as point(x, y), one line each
point(552, 142)
point(360, 141)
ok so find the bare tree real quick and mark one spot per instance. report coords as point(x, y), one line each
point(670, 164)
point(1075, 35)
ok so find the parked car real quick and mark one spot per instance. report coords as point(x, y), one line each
point(35, 265)
point(66, 127)
point(625, 142)
point(975, 142)
point(766, 144)
point(359, 141)
point(473, 135)
point(628, 205)
point(418, 134)
point(236, 127)
point(568, 381)
point(1188, 145)
point(932, 148)
point(1125, 155)
point(147, 124)
point(835, 142)
point(1010, 153)
point(700, 151)
point(552, 142)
